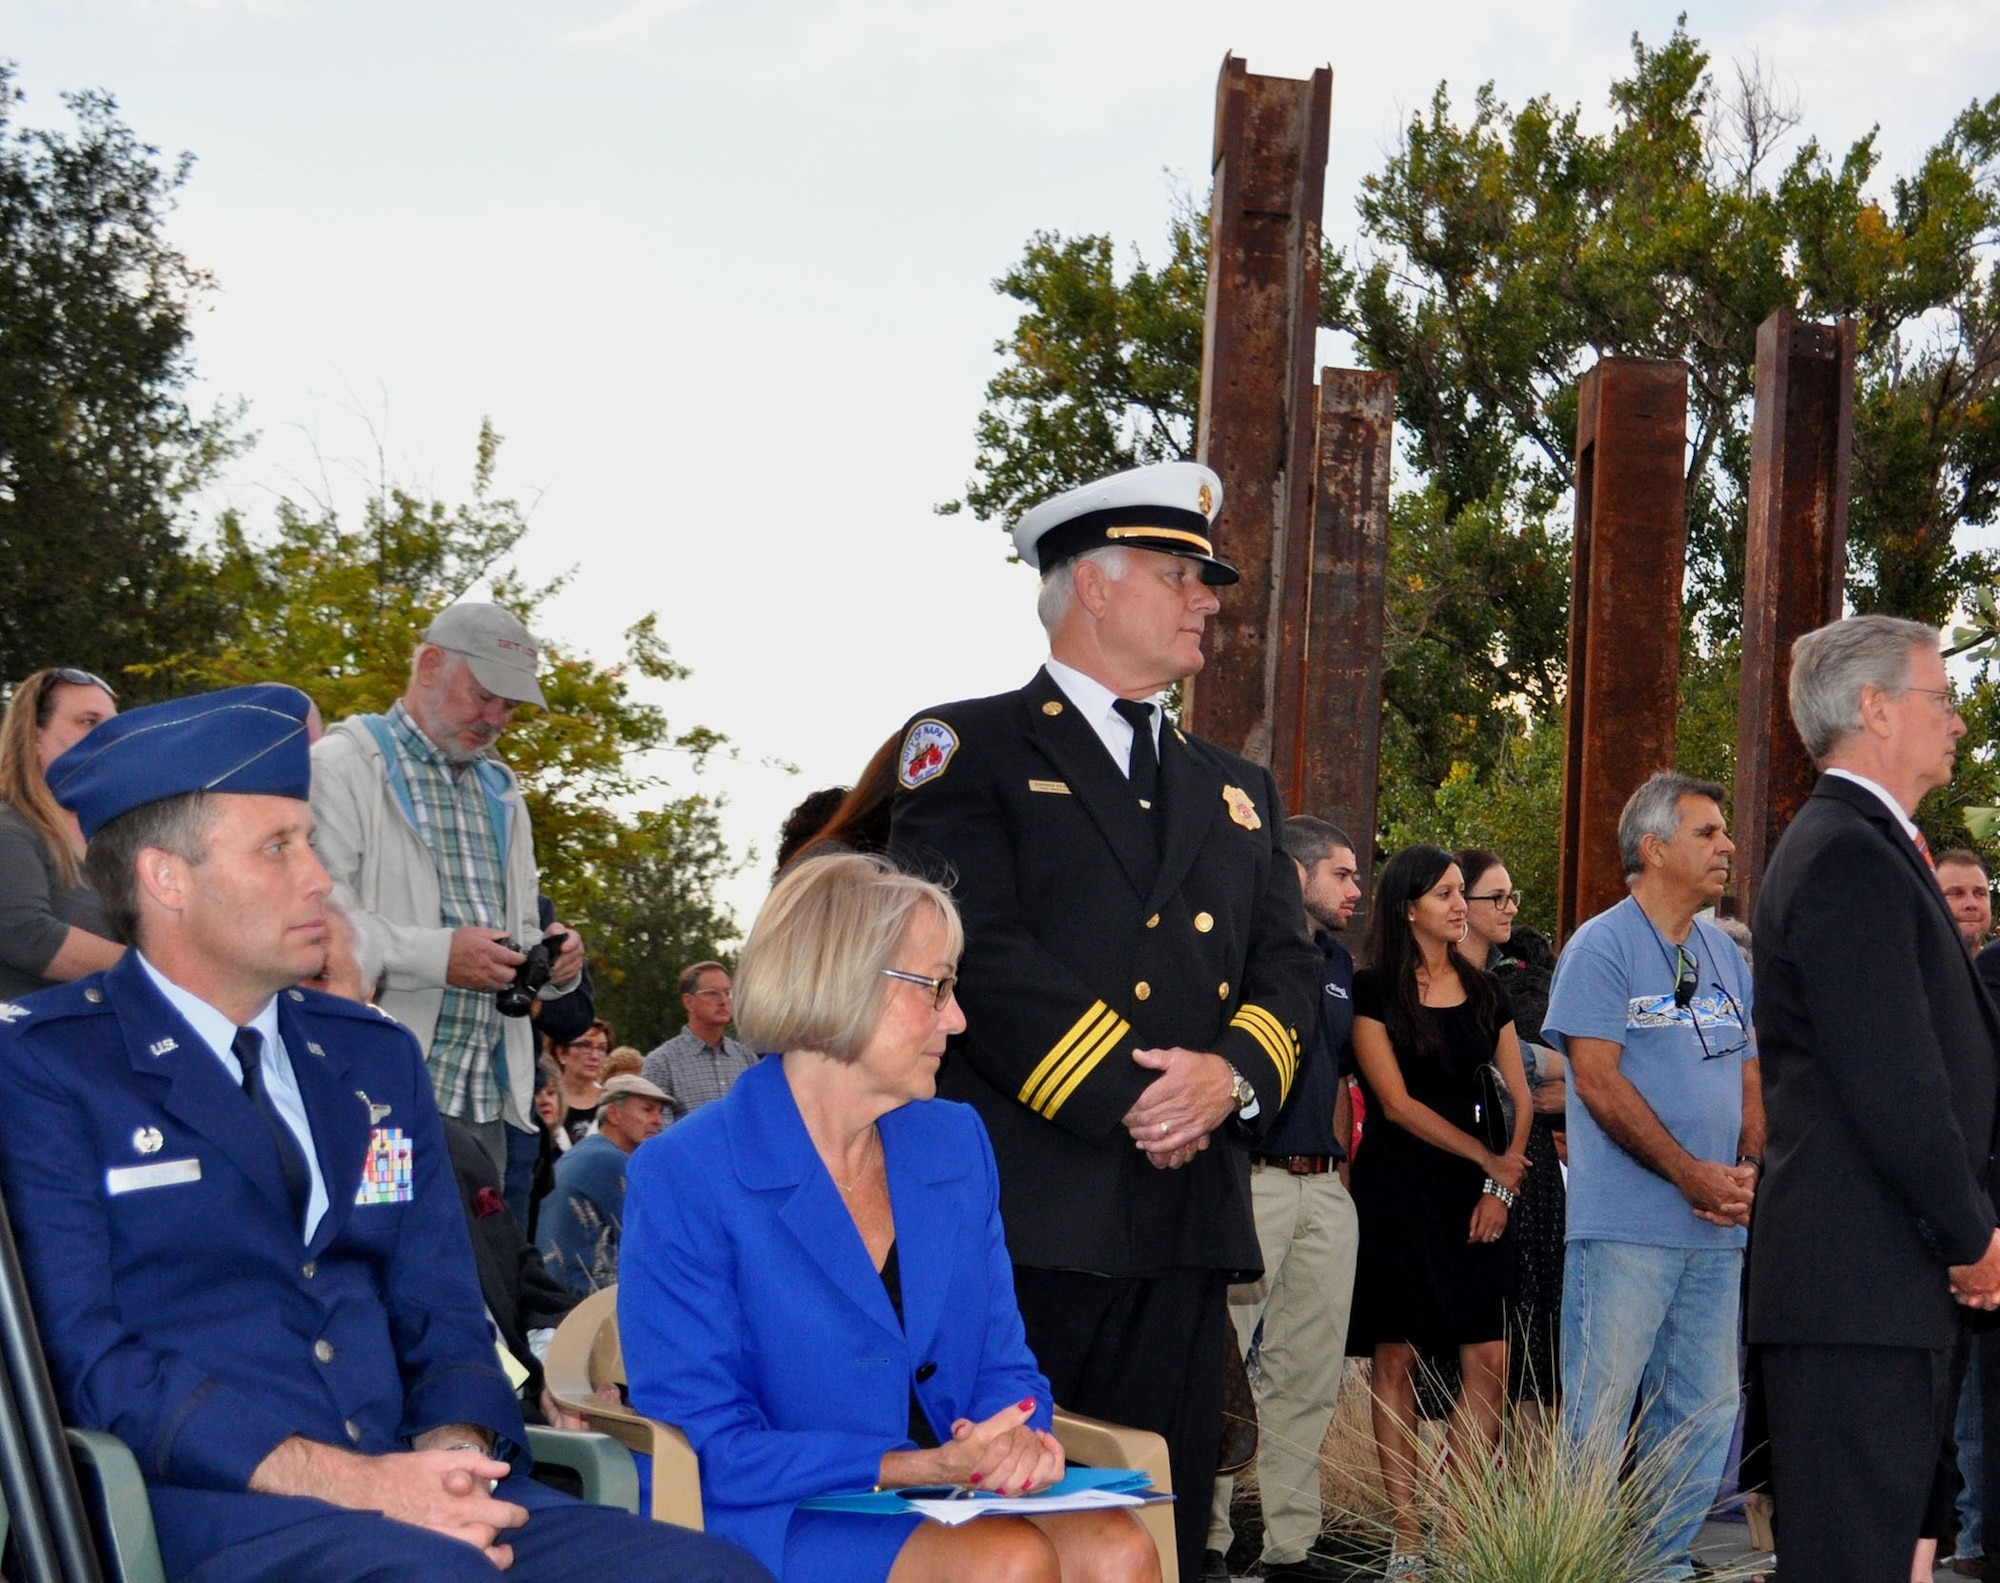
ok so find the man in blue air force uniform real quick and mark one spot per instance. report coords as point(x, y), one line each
point(236, 1209)
point(1136, 965)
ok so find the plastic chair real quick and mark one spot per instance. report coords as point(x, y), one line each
point(585, 1354)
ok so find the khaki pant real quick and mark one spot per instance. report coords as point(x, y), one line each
point(1307, 1230)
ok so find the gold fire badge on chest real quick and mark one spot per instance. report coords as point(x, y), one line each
point(1241, 808)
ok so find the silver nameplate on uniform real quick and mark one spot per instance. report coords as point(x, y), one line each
point(161, 1173)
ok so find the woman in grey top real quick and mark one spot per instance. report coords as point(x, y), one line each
point(53, 928)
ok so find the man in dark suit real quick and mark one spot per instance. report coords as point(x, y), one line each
point(1879, 1070)
point(1136, 968)
point(235, 1209)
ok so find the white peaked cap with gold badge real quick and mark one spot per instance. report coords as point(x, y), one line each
point(1167, 507)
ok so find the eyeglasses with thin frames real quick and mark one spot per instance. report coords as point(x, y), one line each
point(1947, 695)
point(1684, 989)
point(940, 988)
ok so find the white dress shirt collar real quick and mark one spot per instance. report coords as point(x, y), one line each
point(1896, 808)
point(1093, 700)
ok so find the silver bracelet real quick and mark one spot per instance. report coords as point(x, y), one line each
point(1506, 1195)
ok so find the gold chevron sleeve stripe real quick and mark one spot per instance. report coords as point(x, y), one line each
point(1048, 1071)
point(1276, 1042)
point(1099, 1049)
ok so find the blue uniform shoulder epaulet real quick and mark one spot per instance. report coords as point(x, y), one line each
point(320, 1004)
point(82, 998)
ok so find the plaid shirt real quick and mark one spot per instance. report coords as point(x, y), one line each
point(694, 1074)
point(454, 822)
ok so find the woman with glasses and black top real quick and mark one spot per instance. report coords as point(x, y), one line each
point(1523, 963)
point(53, 928)
point(1434, 1198)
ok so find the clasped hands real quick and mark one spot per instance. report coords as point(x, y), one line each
point(1192, 1096)
point(448, 1491)
point(1002, 1455)
point(1719, 1194)
point(1978, 1285)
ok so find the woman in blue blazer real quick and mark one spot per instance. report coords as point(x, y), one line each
point(814, 1285)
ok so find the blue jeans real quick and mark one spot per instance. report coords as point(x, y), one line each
point(1971, 1436)
point(1656, 1327)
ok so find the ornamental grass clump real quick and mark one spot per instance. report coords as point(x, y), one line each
point(1552, 1511)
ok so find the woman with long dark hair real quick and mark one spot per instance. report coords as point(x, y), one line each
point(1436, 1265)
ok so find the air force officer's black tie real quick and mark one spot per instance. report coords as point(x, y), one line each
point(248, 1048)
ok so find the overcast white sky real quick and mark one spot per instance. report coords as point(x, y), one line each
point(719, 270)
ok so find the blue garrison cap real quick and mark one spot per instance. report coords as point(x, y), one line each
point(242, 739)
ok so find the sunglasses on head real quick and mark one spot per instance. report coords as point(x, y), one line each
point(70, 676)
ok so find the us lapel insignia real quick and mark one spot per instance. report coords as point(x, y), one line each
point(9, 1012)
point(375, 1112)
point(147, 1140)
point(160, 1047)
point(1241, 808)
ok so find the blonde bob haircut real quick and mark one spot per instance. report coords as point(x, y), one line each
point(810, 975)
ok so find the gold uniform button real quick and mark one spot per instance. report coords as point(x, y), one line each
point(1141, 990)
point(1222, 990)
point(323, 1350)
point(1051, 708)
point(310, 1269)
point(1153, 922)
point(1203, 922)
point(353, 1431)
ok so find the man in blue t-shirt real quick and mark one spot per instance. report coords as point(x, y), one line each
point(585, 1212)
point(1651, 1007)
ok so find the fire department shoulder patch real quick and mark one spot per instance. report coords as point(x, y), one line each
point(927, 749)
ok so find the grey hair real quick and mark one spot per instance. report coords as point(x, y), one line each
point(1655, 810)
point(1058, 591)
point(1308, 841)
point(1831, 665)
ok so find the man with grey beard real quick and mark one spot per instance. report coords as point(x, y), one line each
point(425, 835)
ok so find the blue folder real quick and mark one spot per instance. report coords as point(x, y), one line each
point(887, 1503)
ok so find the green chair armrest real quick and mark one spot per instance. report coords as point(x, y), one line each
point(610, 1478)
point(109, 1474)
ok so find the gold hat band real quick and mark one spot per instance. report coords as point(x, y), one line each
point(1179, 534)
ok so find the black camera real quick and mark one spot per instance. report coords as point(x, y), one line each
point(518, 998)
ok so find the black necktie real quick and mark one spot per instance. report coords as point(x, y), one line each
point(248, 1048)
point(1145, 770)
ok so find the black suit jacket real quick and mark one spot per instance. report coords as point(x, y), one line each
point(1879, 1057)
point(520, 1293)
point(1087, 938)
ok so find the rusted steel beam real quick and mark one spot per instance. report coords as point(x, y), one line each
point(1331, 688)
point(1624, 614)
point(1795, 568)
point(1256, 426)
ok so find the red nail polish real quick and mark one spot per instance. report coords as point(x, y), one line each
point(974, 1479)
point(1028, 1406)
point(1024, 1489)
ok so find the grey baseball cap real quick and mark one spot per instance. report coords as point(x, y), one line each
point(501, 651)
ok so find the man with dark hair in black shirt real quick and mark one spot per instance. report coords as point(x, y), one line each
point(1307, 1229)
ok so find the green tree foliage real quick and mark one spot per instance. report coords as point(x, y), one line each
point(339, 609)
point(1100, 374)
point(1507, 251)
point(99, 449)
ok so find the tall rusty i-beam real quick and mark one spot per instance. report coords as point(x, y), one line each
point(1795, 566)
point(1624, 614)
point(1257, 418)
